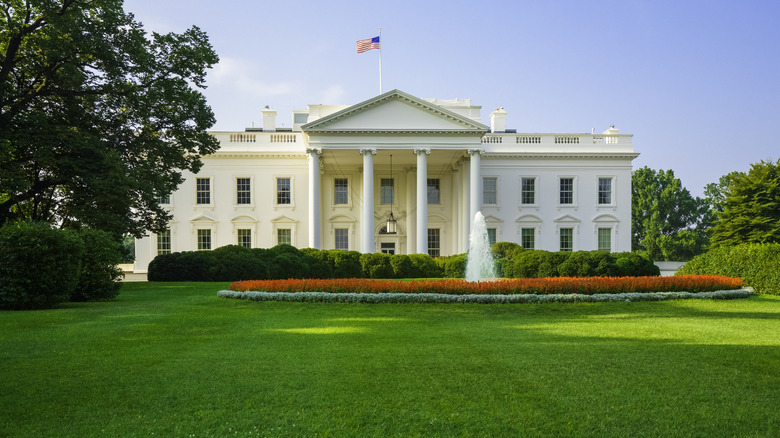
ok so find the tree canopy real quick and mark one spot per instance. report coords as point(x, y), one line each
point(98, 119)
point(750, 207)
point(667, 221)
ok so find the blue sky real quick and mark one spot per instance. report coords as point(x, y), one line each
point(696, 81)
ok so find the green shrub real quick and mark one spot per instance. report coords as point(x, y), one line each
point(234, 263)
point(453, 266)
point(425, 266)
point(636, 264)
point(758, 264)
point(376, 265)
point(402, 266)
point(505, 250)
point(39, 266)
point(346, 263)
point(181, 266)
point(538, 264)
point(100, 277)
point(577, 264)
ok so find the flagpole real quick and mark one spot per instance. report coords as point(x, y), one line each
point(380, 60)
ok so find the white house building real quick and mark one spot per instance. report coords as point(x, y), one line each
point(401, 174)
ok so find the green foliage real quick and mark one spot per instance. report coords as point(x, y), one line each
point(97, 118)
point(180, 266)
point(424, 266)
point(100, 277)
point(402, 266)
point(539, 264)
point(667, 222)
point(376, 265)
point(453, 266)
point(751, 207)
point(233, 262)
point(755, 263)
point(39, 266)
point(502, 250)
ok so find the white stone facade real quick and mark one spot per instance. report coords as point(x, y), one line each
point(333, 180)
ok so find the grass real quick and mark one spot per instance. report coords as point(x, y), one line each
point(174, 360)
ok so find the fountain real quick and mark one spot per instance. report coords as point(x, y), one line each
point(480, 265)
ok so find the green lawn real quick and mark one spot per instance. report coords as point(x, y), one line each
point(175, 360)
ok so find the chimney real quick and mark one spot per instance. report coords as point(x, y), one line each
point(498, 120)
point(611, 131)
point(269, 120)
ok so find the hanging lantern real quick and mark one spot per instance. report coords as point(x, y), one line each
point(391, 222)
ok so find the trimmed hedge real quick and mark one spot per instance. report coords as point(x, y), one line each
point(41, 267)
point(529, 263)
point(234, 263)
point(758, 264)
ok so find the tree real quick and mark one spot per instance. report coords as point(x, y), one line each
point(667, 221)
point(715, 196)
point(751, 207)
point(97, 119)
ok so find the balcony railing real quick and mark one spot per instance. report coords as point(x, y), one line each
point(558, 139)
point(258, 137)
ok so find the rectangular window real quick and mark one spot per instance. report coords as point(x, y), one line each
point(203, 191)
point(528, 190)
point(489, 191)
point(283, 191)
point(433, 190)
point(567, 239)
point(204, 240)
point(340, 191)
point(567, 191)
point(243, 191)
point(605, 239)
point(605, 190)
point(528, 238)
point(284, 236)
point(491, 235)
point(164, 242)
point(386, 191)
point(434, 242)
point(342, 238)
point(245, 237)
point(388, 247)
point(164, 200)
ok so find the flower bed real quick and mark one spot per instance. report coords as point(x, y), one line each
point(520, 286)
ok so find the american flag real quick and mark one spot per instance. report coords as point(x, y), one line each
point(367, 44)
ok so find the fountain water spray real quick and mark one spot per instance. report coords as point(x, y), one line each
point(480, 265)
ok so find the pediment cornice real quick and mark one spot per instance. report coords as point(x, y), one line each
point(323, 125)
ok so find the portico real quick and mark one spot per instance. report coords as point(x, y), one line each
point(414, 132)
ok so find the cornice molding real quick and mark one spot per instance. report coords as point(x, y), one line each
point(581, 155)
point(253, 154)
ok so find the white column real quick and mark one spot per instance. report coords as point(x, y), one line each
point(475, 186)
point(422, 200)
point(411, 205)
point(314, 197)
point(368, 199)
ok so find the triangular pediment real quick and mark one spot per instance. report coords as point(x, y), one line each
point(283, 219)
point(395, 111)
point(567, 218)
point(203, 219)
